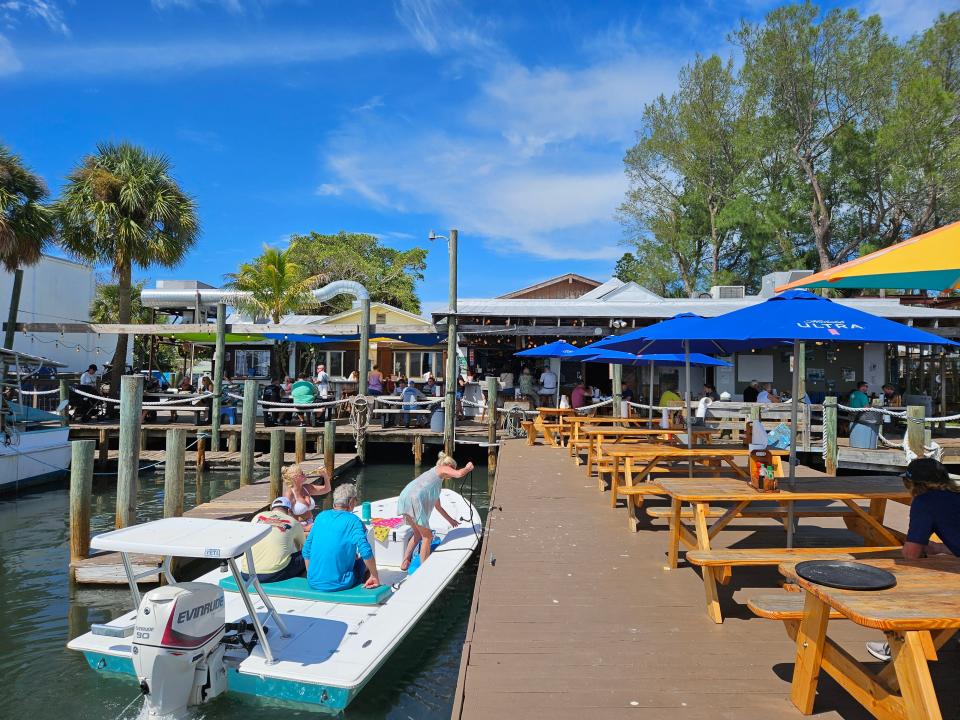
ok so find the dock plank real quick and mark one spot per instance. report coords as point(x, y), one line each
point(574, 617)
point(239, 504)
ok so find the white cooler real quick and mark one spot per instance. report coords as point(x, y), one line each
point(389, 553)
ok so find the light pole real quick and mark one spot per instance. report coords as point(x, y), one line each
point(451, 372)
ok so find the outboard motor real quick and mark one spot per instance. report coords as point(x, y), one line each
point(177, 650)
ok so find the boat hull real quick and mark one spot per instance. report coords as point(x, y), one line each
point(334, 648)
point(37, 457)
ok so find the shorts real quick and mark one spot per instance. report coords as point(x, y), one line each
point(295, 568)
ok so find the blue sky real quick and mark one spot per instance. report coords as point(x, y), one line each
point(505, 119)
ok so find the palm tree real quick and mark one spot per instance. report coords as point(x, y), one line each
point(26, 226)
point(274, 285)
point(122, 207)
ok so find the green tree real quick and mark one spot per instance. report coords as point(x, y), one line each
point(26, 226)
point(273, 285)
point(389, 275)
point(686, 172)
point(122, 207)
point(816, 83)
point(105, 309)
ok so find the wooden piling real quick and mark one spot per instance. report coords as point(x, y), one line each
point(830, 434)
point(103, 447)
point(128, 460)
point(491, 424)
point(233, 442)
point(329, 448)
point(418, 450)
point(64, 395)
point(81, 486)
point(278, 438)
point(300, 444)
point(174, 463)
point(201, 453)
point(219, 354)
point(248, 431)
point(915, 428)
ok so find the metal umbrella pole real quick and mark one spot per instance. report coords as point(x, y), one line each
point(651, 394)
point(793, 439)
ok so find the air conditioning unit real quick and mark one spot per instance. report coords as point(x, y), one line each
point(728, 292)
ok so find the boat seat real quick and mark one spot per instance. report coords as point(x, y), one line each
point(298, 589)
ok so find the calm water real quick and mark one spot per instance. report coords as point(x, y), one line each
point(40, 611)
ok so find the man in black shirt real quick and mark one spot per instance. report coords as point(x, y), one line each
point(751, 391)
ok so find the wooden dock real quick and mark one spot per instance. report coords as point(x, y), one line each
point(575, 617)
point(889, 459)
point(239, 504)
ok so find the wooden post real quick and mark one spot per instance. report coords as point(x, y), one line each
point(103, 447)
point(830, 434)
point(64, 395)
point(201, 453)
point(915, 428)
point(175, 457)
point(300, 444)
point(452, 371)
point(491, 423)
point(81, 485)
point(248, 431)
point(330, 449)
point(233, 442)
point(218, 360)
point(418, 450)
point(128, 460)
point(278, 437)
point(364, 359)
point(617, 382)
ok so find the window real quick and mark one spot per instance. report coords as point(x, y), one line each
point(417, 363)
point(381, 319)
point(251, 363)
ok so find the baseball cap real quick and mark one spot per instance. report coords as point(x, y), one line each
point(282, 502)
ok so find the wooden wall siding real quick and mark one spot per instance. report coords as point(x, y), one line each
point(565, 290)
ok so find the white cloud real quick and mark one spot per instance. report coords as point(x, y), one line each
point(533, 164)
point(234, 6)
point(43, 10)
point(201, 54)
point(443, 25)
point(904, 18)
point(372, 104)
point(9, 62)
point(543, 106)
point(327, 189)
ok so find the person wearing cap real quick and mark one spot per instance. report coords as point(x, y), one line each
point(279, 555)
point(934, 510)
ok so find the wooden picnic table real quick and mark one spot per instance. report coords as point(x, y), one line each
point(547, 422)
point(700, 493)
point(573, 424)
point(918, 616)
point(598, 436)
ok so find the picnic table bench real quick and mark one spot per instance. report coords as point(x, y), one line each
point(739, 495)
point(598, 436)
point(918, 615)
point(547, 422)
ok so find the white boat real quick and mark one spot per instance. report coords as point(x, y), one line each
point(34, 446)
point(319, 649)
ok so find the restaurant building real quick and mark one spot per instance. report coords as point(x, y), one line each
point(581, 310)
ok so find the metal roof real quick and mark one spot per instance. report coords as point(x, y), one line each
point(668, 307)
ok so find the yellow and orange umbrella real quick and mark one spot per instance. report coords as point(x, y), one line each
point(927, 262)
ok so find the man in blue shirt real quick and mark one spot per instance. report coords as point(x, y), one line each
point(337, 553)
point(935, 509)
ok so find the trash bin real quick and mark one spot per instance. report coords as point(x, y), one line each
point(865, 432)
point(436, 420)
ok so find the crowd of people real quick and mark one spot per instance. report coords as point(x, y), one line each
point(331, 548)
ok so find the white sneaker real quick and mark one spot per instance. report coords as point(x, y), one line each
point(880, 650)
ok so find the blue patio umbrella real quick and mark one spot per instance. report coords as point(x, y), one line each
point(557, 349)
point(616, 357)
point(798, 316)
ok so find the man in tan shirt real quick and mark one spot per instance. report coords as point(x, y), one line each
point(278, 556)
